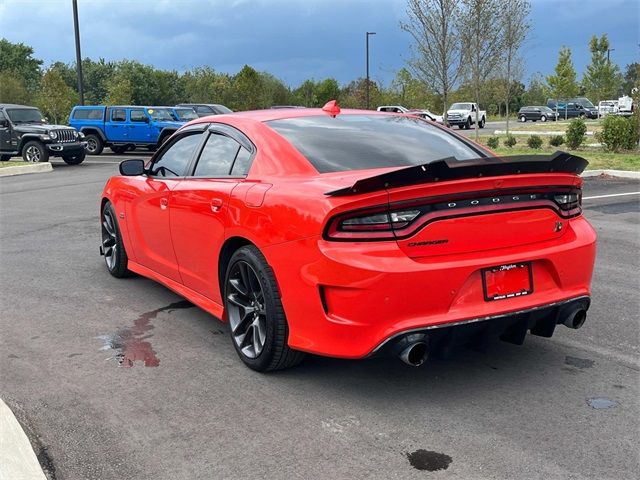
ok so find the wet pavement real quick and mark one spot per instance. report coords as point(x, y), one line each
point(123, 379)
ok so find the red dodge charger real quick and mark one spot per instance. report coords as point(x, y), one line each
point(353, 233)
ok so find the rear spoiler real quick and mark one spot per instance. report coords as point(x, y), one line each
point(451, 169)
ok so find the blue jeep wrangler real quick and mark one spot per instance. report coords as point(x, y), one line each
point(123, 127)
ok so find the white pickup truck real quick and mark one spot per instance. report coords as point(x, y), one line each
point(463, 115)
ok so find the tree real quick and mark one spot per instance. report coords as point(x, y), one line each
point(538, 91)
point(602, 79)
point(327, 89)
point(436, 51)
point(563, 84)
point(305, 94)
point(56, 98)
point(482, 34)
point(12, 89)
point(18, 58)
point(119, 91)
point(516, 26)
point(247, 89)
point(631, 78)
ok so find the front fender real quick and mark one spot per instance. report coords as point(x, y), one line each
point(25, 138)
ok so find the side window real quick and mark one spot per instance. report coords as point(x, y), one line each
point(118, 115)
point(174, 160)
point(88, 114)
point(217, 156)
point(204, 110)
point(138, 116)
point(242, 163)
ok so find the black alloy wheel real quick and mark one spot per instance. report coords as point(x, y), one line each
point(115, 256)
point(257, 322)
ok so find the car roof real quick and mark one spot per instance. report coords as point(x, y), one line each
point(285, 113)
point(13, 105)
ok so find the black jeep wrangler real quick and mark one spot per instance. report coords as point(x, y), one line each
point(24, 131)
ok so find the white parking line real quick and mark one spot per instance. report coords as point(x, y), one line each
point(611, 195)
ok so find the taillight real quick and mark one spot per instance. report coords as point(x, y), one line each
point(401, 220)
point(568, 201)
point(374, 224)
point(379, 221)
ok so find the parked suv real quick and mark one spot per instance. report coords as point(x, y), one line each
point(536, 113)
point(123, 127)
point(574, 107)
point(206, 109)
point(24, 131)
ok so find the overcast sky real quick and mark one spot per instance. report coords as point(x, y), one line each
point(292, 39)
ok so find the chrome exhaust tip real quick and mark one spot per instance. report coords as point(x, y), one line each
point(415, 354)
point(576, 319)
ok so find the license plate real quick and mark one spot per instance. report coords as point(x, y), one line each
point(507, 281)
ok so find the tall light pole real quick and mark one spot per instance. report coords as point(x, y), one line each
point(367, 37)
point(78, 55)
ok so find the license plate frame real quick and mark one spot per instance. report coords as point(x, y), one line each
point(503, 282)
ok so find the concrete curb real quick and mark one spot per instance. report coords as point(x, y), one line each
point(611, 173)
point(18, 460)
point(534, 132)
point(24, 169)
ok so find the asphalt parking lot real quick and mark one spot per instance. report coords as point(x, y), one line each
point(559, 408)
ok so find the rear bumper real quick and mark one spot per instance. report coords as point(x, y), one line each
point(511, 327)
point(345, 299)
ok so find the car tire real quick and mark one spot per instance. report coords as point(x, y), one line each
point(34, 152)
point(481, 124)
point(163, 139)
point(94, 144)
point(118, 149)
point(75, 159)
point(523, 119)
point(257, 322)
point(115, 256)
point(543, 118)
point(467, 125)
point(5, 158)
point(461, 126)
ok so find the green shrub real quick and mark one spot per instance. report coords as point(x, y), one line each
point(619, 133)
point(534, 142)
point(556, 140)
point(510, 141)
point(493, 142)
point(575, 133)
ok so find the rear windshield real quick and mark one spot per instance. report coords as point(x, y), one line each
point(356, 142)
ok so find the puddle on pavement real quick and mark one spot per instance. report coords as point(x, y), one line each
point(600, 403)
point(581, 363)
point(132, 344)
point(428, 460)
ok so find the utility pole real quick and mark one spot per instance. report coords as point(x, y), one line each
point(609, 50)
point(78, 55)
point(367, 37)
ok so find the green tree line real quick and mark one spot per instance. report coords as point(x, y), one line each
point(23, 80)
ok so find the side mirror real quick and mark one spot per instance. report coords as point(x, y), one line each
point(131, 168)
point(146, 120)
point(4, 122)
